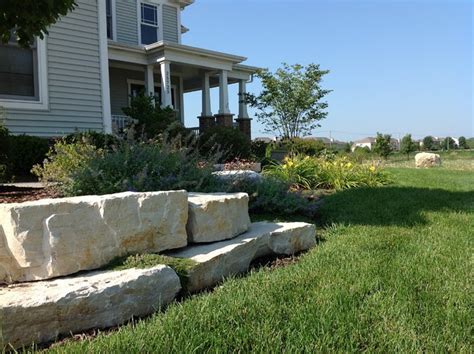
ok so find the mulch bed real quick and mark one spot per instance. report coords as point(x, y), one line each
point(12, 194)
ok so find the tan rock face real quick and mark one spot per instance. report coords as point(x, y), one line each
point(425, 159)
point(219, 260)
point(217, 217)
point(40, 311)
point(50, 238)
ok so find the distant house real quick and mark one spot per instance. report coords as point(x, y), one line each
point(81, 75)
point(327, 141)
point(362, 143)
point(369, 142)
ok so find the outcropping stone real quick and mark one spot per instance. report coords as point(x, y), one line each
point(426, 159)
point(217, 216)
point(40, 311)
point(238, 175)
point(223, 259)
point(56, 237)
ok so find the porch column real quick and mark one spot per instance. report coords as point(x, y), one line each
point(166, 100)
point(224, 118)
point(206, 96)
point(181, 99)
point(244, 122)
point(243, 113)
point(149, 81)
point(223, 93)
point(206, 120)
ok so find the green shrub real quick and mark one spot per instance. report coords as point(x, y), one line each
point(24, 152)
point(152, 119)
point(82, 169)
point(310, 147)
point(63, 161)
point(19, 153)
point(232, 143)
point(270, 196)
point(259, 149)
point(304, 172)
point(360, 154)
point(99, 140)
point(4, 145)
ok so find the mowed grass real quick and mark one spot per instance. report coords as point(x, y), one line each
point(393, 274)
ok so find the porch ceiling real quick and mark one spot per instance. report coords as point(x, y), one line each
point(187, 62)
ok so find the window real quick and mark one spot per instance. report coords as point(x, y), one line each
point(110, 20)
point(149, 23)
point(136, 89)
point(18, 71)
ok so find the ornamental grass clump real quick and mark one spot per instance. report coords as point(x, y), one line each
point(338, 173)
point(82, 169)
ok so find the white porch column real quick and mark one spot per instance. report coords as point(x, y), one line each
point(166, 84)
point(149, 81)
point(206, 96)
point(223, 93)
point(181, 99)
point(243, 113)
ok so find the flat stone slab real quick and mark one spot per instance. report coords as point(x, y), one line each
point(38, 312)
point(219, 260)
point(217, 216)
point(56, 237)
point(238, 175)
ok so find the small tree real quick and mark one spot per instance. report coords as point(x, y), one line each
point(152, 119)
point(428, 142)
point(463, 143)
point(448, 144)
point(291, 101)
point(30, 18)
point(383, 146)
point(407, 145)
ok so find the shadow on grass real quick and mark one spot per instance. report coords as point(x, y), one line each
point(397, 206)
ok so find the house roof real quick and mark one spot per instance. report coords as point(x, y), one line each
point(183, 3)
point(368, 140)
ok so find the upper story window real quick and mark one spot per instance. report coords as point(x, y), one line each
point(149, 23)
point(110, 21)
point(18, 71)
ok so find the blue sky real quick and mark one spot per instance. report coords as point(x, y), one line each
point(397, 66)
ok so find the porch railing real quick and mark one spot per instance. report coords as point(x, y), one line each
point(119, 123)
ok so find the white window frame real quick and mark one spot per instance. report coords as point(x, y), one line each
point(114, 20)
point(43, 98)
point(131, 82)
point(159, 18)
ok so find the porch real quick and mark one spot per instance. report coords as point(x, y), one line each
point(169, 71)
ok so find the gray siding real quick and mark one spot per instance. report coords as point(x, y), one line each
point(75, 95)
point(170, 24)
point(126, 14)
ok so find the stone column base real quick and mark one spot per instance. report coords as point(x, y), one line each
point(245, 126)
point(225, 120)
point(206, 122)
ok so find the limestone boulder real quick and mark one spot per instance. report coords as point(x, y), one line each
point(217, 216)
point(41, 311)
point(238, 175)
point(49, 238)
point(220, 260)
point(426, 159)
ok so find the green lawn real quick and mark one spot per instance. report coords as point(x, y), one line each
point(393, 274)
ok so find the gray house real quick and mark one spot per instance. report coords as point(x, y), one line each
point(102, 53)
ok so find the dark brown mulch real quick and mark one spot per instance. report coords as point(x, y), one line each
point(12, 194)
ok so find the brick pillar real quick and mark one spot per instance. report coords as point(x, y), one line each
point(205, 123)
point(225, 120)
point(245, 126)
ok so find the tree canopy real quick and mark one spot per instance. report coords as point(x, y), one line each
point(407, 145)
point(428, 142)
point(383, 146)
point(30, 18)
point(291, 101)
